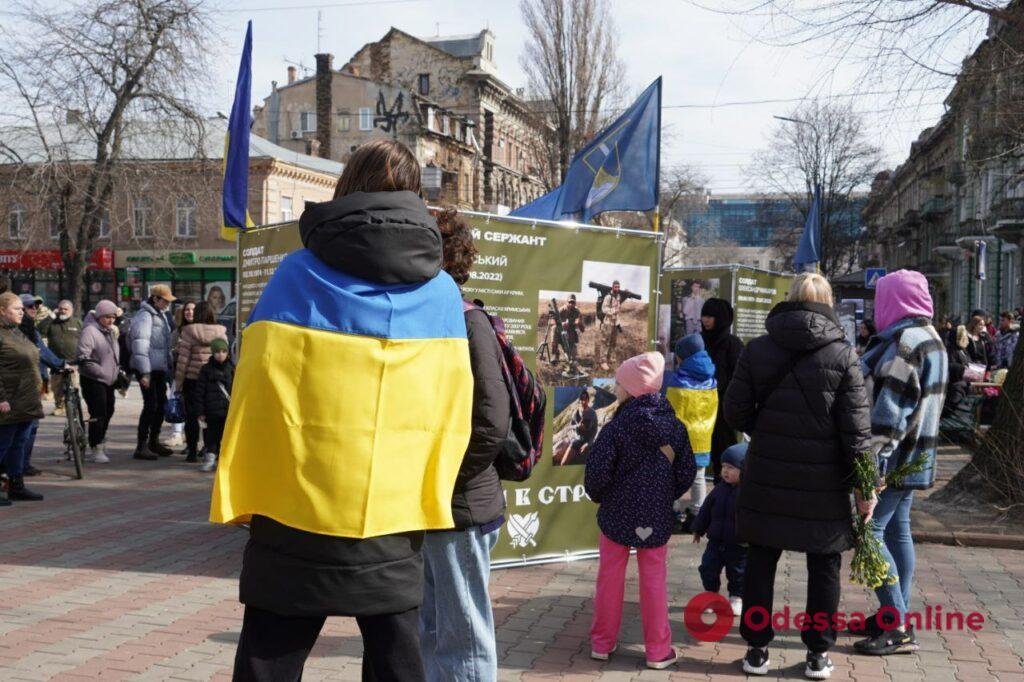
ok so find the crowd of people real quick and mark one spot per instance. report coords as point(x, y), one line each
point(407, 554)
point(43, 353)
point(380, 498)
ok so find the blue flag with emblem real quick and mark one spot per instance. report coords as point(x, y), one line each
point(808, 253)
point(236, 149)
point(618, 170)
point(541, 208)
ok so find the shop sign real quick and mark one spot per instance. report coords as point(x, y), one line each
point(102, 259)
point(217, 258)
point(181, 258)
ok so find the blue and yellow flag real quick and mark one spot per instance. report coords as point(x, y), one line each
point(236, 149)
point(618, 170)
point(351, 407)
point(808, 253)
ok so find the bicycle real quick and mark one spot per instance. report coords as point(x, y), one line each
point(75, 440)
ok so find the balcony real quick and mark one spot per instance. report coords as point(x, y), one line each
point(1010, 220)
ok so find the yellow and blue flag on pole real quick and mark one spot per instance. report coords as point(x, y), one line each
point(617, 171)
point(236, 150)
point(808, 253)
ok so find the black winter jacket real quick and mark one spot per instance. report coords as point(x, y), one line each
point(210, 398)
point(804, 435)
point(724, 349)
point(478, 498)
point(386, 237)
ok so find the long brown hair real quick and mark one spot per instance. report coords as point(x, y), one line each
point(457, 245)
point(379, 166)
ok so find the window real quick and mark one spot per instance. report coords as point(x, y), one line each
point(424, 84)
point(16, 221)
point(365, 118)
point(344, 122)
point(186, 217)
point(307, 121)
point(446, 125)
point(105, 224)
point(142, 209)
point(55, 220)
point(430, 120)
point(286, 208)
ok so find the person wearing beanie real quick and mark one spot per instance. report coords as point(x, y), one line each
point(717, 520)
point(99, 367)
point(909, 367)
point(212, 395)
point(724, 348)
point(639, 465)
point(693, 392)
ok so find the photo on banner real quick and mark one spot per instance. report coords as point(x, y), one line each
point(580, 414)
point(216, 295)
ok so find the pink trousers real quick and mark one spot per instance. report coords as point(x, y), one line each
point(608, 596)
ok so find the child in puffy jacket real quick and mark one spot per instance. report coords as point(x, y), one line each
point(213, 392)
point(717, 520)
point(639, 465)
point(693, 392)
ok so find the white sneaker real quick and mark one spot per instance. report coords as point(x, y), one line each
point(737, 605)
point(597, 656)
point(97, 456)
point(209, 462)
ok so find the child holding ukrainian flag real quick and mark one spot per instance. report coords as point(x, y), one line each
point(349, 419)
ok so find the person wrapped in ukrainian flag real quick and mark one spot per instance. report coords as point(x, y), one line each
point(350, 414)
point(693, 392)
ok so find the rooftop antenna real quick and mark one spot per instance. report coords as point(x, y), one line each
point(302, 67)
point(319, 29)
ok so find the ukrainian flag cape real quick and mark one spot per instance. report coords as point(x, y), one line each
point(351, 406)
point(693, 393)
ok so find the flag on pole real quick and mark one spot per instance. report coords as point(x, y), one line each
point(617, 171)
point(236, 150)
point(808, 253)
point(541, 208)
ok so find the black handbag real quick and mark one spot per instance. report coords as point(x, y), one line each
point(123, 381)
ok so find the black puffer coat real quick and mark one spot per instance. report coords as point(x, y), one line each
point(724, 349)
point(386, 237)
point(210, 399)
point(478, 497)
point(796, 485)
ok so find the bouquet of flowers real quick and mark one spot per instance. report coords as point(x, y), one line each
point(868, 568)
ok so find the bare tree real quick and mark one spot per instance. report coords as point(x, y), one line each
point(573, 74)
point(82, 79)
point(826, 145)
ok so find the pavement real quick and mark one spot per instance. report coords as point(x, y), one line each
point(120, 577)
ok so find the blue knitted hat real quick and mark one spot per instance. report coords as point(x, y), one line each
point(735, 454)
point(688, 345)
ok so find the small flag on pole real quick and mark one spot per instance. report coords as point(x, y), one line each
point(236, 150)
point(808, 253)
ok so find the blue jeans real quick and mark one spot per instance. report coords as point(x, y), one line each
point(892, 528)
point(456, 624)
point(29, 444)
point(13, 443)
point(718, 555)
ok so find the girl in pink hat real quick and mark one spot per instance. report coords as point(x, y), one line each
point(639, 465)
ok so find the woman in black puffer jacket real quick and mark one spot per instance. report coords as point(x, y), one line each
point(799, 393)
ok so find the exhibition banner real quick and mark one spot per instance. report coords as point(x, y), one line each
point(752, 293)
point(576, 301)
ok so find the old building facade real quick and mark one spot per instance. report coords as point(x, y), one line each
point(460, 74)
point(961, 186)
point(332, 112)
point(162, 224)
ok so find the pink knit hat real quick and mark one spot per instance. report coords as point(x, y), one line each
point(641, 374)
point(901, 294)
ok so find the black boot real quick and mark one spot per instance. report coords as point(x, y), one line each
point(192, 457)
point(143, 452)
point(156, 447)
point(31, 471)
point(20, 492)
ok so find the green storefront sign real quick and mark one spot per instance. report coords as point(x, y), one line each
point(181, 258)
point(526, 273)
